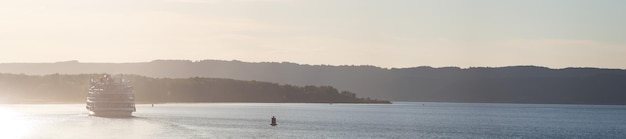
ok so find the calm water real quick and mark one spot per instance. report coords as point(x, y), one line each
point(251, 120)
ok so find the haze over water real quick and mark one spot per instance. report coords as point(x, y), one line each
point(296, 120)
point(395, 35)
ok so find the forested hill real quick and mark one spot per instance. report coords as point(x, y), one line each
point(57, 88)
point(516, 84)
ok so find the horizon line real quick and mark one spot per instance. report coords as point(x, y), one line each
point(304, 64)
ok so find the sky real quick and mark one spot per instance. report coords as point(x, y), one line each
point(385, 33)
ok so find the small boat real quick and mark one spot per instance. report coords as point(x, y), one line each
point(108, 97)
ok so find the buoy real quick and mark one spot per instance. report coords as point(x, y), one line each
point(273, 121)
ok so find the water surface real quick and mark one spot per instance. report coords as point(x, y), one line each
point(296, 120)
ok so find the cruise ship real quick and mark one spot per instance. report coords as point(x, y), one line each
point(109, 97)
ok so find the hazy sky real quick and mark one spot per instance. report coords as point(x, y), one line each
point(387, 33)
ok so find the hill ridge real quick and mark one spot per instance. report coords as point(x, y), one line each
point(509, 84)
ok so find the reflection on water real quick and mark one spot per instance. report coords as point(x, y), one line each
point(13, 125)
point(84, 126)
point(68, 121)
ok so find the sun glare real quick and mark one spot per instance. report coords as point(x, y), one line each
point(13, 125)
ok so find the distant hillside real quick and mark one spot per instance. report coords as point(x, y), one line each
point(518, 84)
point(73, 88)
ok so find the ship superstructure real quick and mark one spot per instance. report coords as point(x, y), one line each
point(109, 97)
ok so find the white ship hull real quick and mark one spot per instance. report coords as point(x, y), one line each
point(111, 113)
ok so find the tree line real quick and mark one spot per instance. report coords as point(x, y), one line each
point(20, 88)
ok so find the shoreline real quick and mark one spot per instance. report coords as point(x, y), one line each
point(52, 102)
